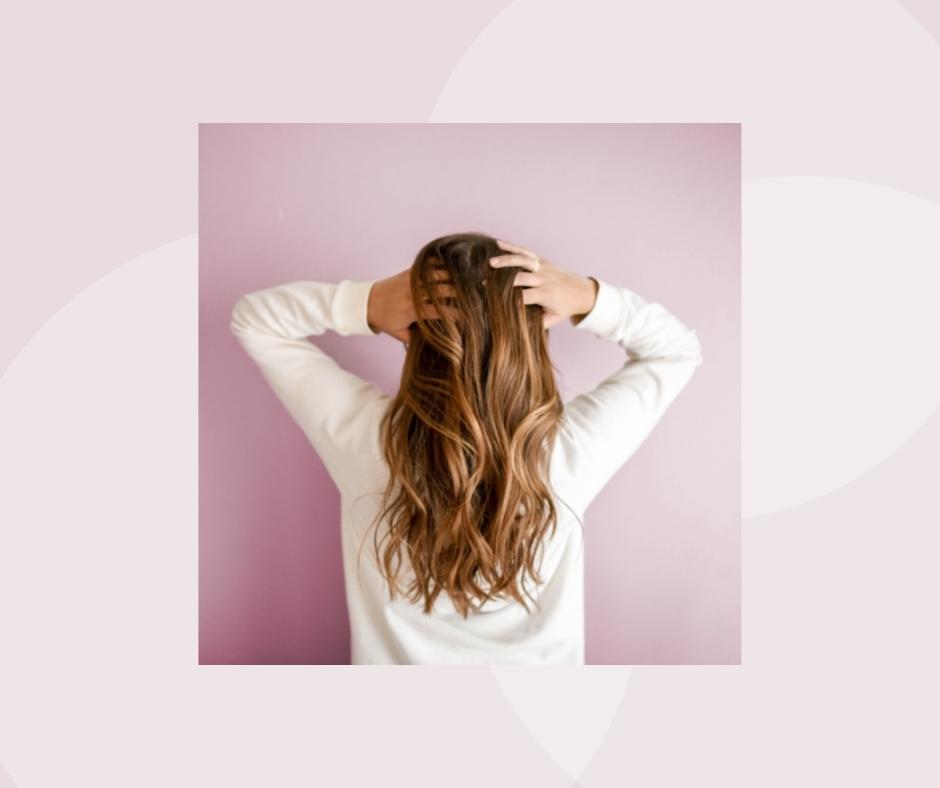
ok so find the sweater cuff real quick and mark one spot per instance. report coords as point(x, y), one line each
point(351, 308)
point(604, 318)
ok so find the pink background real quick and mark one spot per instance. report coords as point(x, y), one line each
point(654, 207)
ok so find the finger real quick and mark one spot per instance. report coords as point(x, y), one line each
point(430, 312)
point(515, 248)
point(520, 260)
point(550, 319)
point(441, 292)
point(527, 279)
point(438, 274)
point(532, 295)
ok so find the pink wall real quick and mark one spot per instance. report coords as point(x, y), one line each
point(652, 207)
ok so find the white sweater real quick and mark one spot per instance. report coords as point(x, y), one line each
point(340, 413)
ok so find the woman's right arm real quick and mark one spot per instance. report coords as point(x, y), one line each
point(602, 428)
point(605, 426)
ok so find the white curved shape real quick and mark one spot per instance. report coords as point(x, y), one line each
point(840, 327)
point(568, 711)
point(800, 76)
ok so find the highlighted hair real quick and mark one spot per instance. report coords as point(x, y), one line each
point(468, 437)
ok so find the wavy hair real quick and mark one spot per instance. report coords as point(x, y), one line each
point(468, 436)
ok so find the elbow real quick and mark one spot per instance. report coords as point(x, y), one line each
point(697, 349)
point(239, 321)
point(691, 351)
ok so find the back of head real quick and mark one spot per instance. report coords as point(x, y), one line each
point(468, 436)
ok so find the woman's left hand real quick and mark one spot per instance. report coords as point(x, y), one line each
point(391, 308)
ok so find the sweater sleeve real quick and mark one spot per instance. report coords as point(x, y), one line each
point(337, 411)
point(604, 427)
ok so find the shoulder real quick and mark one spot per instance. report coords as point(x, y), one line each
point(349, 440)
point(567, 466)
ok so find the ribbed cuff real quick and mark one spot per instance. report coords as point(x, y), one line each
point(604, 319)
point(351, 308)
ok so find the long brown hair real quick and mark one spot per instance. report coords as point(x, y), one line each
point(468, 436)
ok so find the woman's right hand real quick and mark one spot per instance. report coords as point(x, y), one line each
point(560, 293)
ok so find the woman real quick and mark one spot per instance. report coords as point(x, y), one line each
point(469, 486)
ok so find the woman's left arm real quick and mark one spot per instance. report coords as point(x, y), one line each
point(337, 410)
